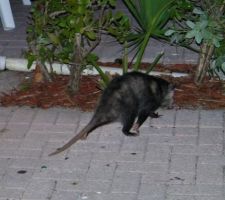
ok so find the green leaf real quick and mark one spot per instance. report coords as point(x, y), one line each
point(191, 34)
point(203, 24)
point(216, 42)
point(198, 11)
point(104, 76)
point(118, 15)
point(169, 32)
point(223, 65)
point(53, 38)
point(91, 35)
point(112, 3)
point(92, 59)
point(151, 16)
point(30, 58)
point(198, 37)
point(190, 24)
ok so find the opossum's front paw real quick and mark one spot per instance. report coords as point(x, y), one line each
point(154, 115)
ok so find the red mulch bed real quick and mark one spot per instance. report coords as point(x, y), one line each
point(210, 95)
point(51, 94)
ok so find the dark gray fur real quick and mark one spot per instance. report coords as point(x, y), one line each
point(129, 96)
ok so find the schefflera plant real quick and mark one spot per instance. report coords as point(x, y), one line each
point(201, 24)
point(67, 31)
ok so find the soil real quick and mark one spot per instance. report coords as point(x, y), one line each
point(210, 95)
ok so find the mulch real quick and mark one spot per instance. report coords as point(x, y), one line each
point(209, 95)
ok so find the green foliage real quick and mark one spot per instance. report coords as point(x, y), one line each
point(201, 28)
point(67, 31)
point(155, 62)
point(151, 16)
point(201, 22)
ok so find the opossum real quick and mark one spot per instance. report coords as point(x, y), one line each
point(127, 97)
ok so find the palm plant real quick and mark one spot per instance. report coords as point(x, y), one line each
point(151, 16)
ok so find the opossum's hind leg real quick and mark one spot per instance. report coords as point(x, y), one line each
point(142, 116)
point(128, 121)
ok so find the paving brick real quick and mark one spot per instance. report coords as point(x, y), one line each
point(172, 140)
point(39, 189)
point(122, 156)
point(211, 118)
point(205, 149)
point(186, 131)
point(67, 163)
point(101, 170)
point(119, 196)
point(212, 159)
point(152, 190)
point(199, 190)
point(24, 153)
point(152, 198)
point(15, 131)
point(8, 153)
point(181, 178)
point(11, 193)
point(53, 128)
point(68, 116)
point(166, 120)
point(27, 163)
point(9, 143)
point(157, 153)
point(211, 136)
point(187, 118)
point(155, 177)
point(126, 182)
point(157, 130)
point(190, 197)
point(14, 179)
point(210, 174)
point(83, 186)
point(23, 115)
point(45, 116)
point(45, 173)
point(163, 177)
point(183, 163)
point(5, 114)
point(4, 164)
point(110, 136)
point(141, 167)
point(29, 144)
point(94, 147)
point(134, 144)
point(65, 195)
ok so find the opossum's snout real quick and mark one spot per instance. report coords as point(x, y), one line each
point(168, 99)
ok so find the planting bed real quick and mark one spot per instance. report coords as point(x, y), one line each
point(210, 95)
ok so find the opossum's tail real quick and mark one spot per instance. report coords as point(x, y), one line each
point(93, 124)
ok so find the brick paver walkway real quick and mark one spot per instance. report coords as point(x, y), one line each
point(178, 156)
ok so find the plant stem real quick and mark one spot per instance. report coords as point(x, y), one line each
point(76, 68)
point(206, 54)
point(142, 50)
point(125, 59)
